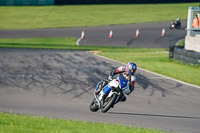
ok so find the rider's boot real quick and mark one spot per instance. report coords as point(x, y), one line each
point(103, 99)
point(123, 99)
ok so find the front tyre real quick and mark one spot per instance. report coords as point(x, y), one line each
point(93, 106)
point(109, 102)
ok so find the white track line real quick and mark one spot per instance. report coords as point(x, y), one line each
point(178, 42)
point(151, 72)
point(77, 42)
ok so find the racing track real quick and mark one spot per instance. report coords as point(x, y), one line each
point(60, 83)
point(123, 35)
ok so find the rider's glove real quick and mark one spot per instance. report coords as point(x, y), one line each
point(109, 77)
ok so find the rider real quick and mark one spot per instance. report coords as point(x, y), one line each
point(178, 22)
point(196, 20)
point(128, 72)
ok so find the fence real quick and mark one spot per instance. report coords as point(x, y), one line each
point(69, 2)
point(73, 2)
point(26, 2)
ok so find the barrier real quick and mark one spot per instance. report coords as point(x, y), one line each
point(26, 2)
point(72, 2)
point(186, 56)
point(75, 2)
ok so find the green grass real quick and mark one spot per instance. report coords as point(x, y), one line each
point(159, 62)
point(30, 17)
point(56, 43)
point(181, 43)
point(156, 60)
point(11, 123)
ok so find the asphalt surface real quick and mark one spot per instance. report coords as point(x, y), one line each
point(60, 84)
point(123, 35)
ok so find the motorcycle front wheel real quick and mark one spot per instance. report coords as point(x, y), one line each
point(108, 103)
point(93, 106)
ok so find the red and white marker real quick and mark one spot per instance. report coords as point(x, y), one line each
point(83, 35)
point(137, 33)
point(163, 32)
point(111, 34)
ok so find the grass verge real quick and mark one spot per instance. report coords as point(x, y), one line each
point(31, 17)
point(181, 43)
point(12, 123)
point(156, 60)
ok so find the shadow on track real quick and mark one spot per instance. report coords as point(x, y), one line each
point(60, 72)
point(153, 115)
point(145, 83)
point(50, 71)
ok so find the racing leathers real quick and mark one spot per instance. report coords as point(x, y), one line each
point(122, 71)
point(131, 78)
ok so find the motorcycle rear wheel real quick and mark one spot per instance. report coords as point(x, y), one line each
point(109, 102)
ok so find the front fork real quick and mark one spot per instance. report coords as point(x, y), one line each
point(101, 97)
point(100, 86)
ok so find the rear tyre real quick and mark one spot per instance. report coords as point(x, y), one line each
point(93, 106)
point(109, 102)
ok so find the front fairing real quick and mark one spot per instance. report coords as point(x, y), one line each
point(114, 83)
point(123, 82)
point(120, 82)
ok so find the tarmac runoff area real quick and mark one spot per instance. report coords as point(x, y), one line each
point(60, 84)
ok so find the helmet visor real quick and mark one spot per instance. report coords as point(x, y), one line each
point(132, 71)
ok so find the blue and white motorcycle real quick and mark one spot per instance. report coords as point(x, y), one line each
point(110, 94)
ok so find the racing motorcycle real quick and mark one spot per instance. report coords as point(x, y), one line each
point(110, 94)
point(175, 25)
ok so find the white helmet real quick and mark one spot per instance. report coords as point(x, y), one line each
point(198, 15)
point(178, 19)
